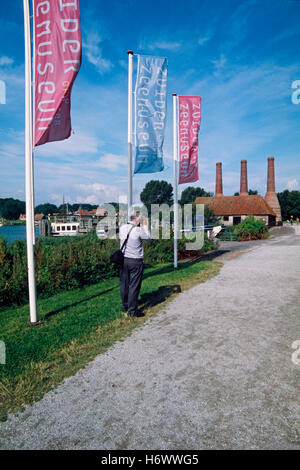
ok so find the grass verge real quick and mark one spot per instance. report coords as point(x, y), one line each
point(76, 326)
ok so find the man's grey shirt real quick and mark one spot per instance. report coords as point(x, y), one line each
point(134, 247)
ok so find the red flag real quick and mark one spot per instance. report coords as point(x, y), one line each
point(57, 62)
point(189, 116)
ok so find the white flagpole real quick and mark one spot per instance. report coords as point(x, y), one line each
point(130, 71)
point(33, 118)
point(175, 183)
point(28, 168)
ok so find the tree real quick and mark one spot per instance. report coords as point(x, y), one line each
point(290, 204)
point(251, 192)
point(114, 204)
point(189, 195)
point(11, 209)
point(210, 218)
point(157, 192)
point(74, 207)
point(46, 209)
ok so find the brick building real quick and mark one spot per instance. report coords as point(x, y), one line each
point(233, 209)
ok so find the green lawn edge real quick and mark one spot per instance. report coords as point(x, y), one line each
point(77, 325)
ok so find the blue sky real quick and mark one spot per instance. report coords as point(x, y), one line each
point(241, 57)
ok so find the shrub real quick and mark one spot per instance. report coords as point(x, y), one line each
point(251, 229)
point(230, 229)
point(65, 263)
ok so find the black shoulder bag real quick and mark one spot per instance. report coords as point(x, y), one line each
point(117, 256)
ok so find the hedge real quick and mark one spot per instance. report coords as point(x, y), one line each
point(65, 263)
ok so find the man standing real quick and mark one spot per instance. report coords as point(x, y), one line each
point(131, 273)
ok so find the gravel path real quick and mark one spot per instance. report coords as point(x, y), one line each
point(213, 370)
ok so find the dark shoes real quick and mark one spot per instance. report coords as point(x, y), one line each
point(137, 313)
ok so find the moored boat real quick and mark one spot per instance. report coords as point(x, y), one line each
point(59, 229)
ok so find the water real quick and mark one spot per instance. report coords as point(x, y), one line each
point(15, 232)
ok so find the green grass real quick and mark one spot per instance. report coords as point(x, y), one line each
point(13, 222)
point(76, 326)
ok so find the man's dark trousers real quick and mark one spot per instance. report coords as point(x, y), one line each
point(131, 274)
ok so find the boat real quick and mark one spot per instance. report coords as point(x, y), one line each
point(61, 229)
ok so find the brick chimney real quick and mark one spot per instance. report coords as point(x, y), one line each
point(271, 196)
point(219, 184)
point(244, 179)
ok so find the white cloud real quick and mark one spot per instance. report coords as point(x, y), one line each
point(79, 143)
point(11, 144)
point(93, 52)
point(112, 162)
point(168, 45)
point(14, 78)
point(98, 193)
point(4, 60)
point(123, 64)
point(160, 44)
point(237, 24)
point(220, 63)
point(285, 35)
point(292, 184)
point(204, 39)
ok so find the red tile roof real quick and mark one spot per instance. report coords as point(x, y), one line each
point(237, 205)
point(83, 212)
point(99, 212)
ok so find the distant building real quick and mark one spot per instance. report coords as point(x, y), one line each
point(99, 212)
point(83, 213)
point(22, 217)
point(233, 209)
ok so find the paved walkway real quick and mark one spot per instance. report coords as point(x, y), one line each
point(213, 370)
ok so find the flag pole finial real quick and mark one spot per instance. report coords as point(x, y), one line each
point(130, 52)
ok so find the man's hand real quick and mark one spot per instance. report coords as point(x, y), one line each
point(145, 222)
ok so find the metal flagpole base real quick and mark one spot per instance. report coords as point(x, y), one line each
point(36, 323)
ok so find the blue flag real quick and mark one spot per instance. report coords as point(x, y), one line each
point(150, 113)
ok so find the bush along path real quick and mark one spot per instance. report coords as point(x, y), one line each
point(76, 326)
point(66, 263)
point(248, 229)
